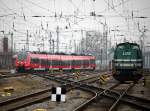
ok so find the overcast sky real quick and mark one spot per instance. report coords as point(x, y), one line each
point(72, 16)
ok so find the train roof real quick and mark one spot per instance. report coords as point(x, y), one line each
point(127, 43)
point(60, 53)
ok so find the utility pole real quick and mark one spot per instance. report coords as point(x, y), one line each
point(82, 42)
point(14, 47)
point(101, 59)
point(66, 48)
point(11, 49)
point(50, 35)
point(53, 45)
point(27, 41)
point(57, 31)
point(12, 42)
point(105, 43)
point(43, 43)
point(106, 47)
point(70, 46)
point(142, 37)
point(75, 47)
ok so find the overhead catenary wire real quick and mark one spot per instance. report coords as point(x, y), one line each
point(115, 6)
point(34, 20)
point(37, 5)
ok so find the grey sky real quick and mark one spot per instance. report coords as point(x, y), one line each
point(75, 15)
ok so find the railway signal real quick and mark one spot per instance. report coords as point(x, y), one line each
point(58, 94)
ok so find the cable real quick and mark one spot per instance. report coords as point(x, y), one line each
point(114, 9)
point(37, 5)
point(7, 15)
point(144, 9)
point(115, 6)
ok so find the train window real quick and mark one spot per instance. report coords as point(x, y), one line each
point(73, 63)
point(120, 47)
point(135, 47)
point(61, 63)
point(34, 60)
point(55, 62)
point(19, 56)
point(64, 63)
point(49, 62)
point(87, 62)
point(22, 56)
point(67, 63)
point(44, 62)
point(83, 62)
point(78, 62)
point(92, 61)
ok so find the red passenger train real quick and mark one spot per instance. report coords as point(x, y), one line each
point(26, 61)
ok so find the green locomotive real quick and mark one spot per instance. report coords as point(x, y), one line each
point(127, 62)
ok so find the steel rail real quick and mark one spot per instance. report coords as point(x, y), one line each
point(14, 103)
point(128, 99)
point(120, 96)
point(82, 106)
point(141, 103)
point(8, 75)
point(18, 102)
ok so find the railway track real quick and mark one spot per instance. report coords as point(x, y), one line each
point(116, 97)
point(67, 75)
point(8, 75)
point(110, 94)
point(22, 101)
point(97, 94)
point(18, 102)
point(29, 99)
point(128, 99)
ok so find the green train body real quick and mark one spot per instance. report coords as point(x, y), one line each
point(127, 62)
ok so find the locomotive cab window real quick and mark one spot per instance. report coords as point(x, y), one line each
point(135, 47)
point(120, 47)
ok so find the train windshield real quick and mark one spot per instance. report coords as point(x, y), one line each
point(22, 56)
point(135, 47)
